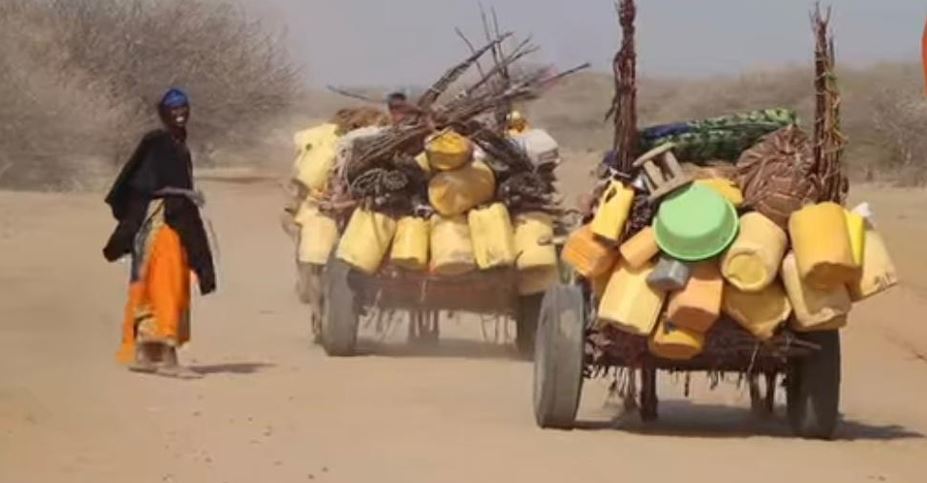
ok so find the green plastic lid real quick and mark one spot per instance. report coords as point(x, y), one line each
point(695, 223)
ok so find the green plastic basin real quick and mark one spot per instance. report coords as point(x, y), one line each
point(695, 223)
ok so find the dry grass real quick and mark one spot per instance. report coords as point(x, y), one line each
point(79, 79)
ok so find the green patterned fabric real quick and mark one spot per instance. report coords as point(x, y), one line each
point(718, 138)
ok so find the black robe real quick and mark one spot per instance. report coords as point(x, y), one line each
point(158, 162)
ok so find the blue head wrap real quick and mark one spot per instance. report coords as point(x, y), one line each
point(174, 98)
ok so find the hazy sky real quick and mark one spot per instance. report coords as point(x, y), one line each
point(394, 42)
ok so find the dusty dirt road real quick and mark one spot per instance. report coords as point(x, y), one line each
point(273, 408)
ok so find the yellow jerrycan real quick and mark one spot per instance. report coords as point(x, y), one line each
point(878, 273)
point(448, 150)
point(366, 240)
point(629, 303)
point(754, 259)
point(493, 236)
point(670, 341)
point(612, 213)
point(537, 280)
point(822, 247)
point(856, 229)
point(724, 187)
point(760, 313)
point(317, 158)
point(410, 245)
point(534, 236)
point(698, 306)
point(451, 247)
point(318, 234)
point(640, 248)
point(455, 192)
point(815, 309)
point(587, 255)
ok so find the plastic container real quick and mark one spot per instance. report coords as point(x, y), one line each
point(587, 255)
point(537, 280)
point(534, 236)
point(317, 159)
point(760, 313)
point(878, 272)
point(448, 150)
point(640, 248)
point(422, 161)
point(754, 259)
point(698, 306)
point(629, 303)
point(599, 283)
point(493, 236)
point(724, 187)
point(815, 309)
point(822, 246)
point(453, 193)
point(451, 247)
point(303, 140)
point(612, 213)
point(540, 146)
point(856, 229)
point(673, 342)
point(318, 235)
point(366, 240)
point(670, 275)
point(410, 245)
point(695, 224)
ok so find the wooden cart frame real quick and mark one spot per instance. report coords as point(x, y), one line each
point(345, 295)
point(570, 344)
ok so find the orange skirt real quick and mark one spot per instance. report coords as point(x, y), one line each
point(159, 299)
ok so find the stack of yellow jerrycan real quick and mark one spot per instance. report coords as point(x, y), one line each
point(460, 231)
point(316, 156)
point(721, 262)
point(316, 151)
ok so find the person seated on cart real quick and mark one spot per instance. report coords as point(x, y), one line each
point(399, 107)
point(516, 123)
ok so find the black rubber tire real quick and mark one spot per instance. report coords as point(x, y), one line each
point(813, 388)
point(526, 323)
point(559, 358)
point(339, 312)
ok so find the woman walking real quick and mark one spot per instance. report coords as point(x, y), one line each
point(159, 226)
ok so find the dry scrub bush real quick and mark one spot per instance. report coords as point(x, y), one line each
point(79, 80)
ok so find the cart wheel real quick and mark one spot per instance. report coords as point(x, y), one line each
point(526, 323)
point(813, 388)
point(559, 358)
point(339, 317)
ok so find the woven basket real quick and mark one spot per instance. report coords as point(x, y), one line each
point(776, 175)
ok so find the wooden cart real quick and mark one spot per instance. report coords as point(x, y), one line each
point(571, 344)
point(346, 295)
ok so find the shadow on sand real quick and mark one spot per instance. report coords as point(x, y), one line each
point(445, 349)
point(687, 419)
point(237, 368)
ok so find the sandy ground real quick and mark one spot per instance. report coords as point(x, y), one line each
point(273, 408)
